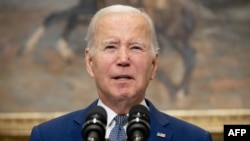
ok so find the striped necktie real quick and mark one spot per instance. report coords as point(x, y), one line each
point(118, 132)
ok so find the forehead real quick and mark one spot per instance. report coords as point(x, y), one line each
point(123, 23)
point(128, 16)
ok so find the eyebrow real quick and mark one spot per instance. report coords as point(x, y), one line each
point(110, 41)
point(137, 42)
point(116, 41)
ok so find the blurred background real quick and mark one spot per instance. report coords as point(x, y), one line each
point(204, 55)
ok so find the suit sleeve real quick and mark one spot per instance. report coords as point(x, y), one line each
point(35, 134)
point(207, 137)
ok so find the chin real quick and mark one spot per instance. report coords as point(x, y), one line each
point(126, 96)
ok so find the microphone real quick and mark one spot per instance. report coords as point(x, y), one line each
point(95, 125)
point(138, 123)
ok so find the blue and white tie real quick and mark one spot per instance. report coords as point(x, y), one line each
point(118, 132)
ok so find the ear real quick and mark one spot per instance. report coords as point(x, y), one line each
point(89, 63)
point(155, 66)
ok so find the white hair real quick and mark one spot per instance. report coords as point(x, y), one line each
point(90, 38)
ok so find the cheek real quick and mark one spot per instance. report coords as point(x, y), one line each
point(101, 65)
point(144, 68)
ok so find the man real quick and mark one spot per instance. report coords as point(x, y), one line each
point(121, 56)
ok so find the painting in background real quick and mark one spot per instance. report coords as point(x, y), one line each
point(204, 55)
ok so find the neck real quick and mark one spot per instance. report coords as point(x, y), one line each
point(121, 106)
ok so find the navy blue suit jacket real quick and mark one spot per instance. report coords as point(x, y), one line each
point(163, 128)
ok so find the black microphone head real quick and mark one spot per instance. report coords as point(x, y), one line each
point(95, 124)
point(138, 123)
point(99, 113)
point(138, 111)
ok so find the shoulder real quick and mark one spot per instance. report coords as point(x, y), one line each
point(59, 128)
point(170, 124)
point(62, 128)
point(188, 130)
point(76, 117)
point(180, 124)
point(63, 119)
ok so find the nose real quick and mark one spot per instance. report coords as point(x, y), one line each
point(123, 57)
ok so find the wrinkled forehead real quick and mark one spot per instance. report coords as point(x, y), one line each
point(123, 28)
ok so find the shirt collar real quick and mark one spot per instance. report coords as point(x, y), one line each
point(110, 113)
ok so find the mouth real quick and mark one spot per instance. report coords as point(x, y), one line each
point(123, 77)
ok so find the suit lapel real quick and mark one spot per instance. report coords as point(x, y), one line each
point(158, 125)
point(78, 121)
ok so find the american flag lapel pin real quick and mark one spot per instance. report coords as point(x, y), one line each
point(162, 135)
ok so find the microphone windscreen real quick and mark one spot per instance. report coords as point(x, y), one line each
point(139, 111)
point(95, 124)
point(138, 123)
point(99, 113)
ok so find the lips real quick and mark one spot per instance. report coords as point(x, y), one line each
point(123, 77)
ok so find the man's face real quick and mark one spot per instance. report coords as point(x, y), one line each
point(122, 62)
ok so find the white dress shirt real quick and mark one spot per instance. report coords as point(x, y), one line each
point(111, 115)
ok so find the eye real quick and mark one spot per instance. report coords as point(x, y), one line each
point(110, 47)
point(136, 48)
